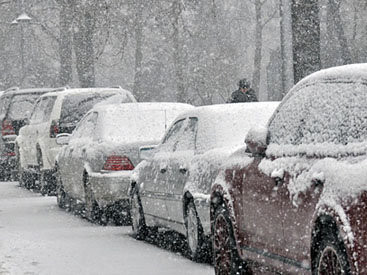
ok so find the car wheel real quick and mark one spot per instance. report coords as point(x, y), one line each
point(194, 232)
point(137, 216)
point(226, 258)
point(92, 211)
point(63, 200)
point(331, 257)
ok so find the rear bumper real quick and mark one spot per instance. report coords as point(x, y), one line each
point(110, 187)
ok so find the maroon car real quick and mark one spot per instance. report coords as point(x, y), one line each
point(296, 201)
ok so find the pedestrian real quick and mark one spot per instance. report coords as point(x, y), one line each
point(244, 93)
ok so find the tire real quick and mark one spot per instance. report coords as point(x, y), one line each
point(137, 216)
point(331, 256)
point(194, 232)
point(92, 212)
point(47, 182)
point(63, 200)
point(225, 256)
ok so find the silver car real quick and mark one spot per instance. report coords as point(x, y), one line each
point(95, 166)
point(171, 189)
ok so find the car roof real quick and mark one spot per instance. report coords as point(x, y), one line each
point(213, 111)
point(86, 90)
point(141, 106)
point(346, 73)
point(16, 91)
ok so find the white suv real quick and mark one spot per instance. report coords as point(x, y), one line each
point(55, 113)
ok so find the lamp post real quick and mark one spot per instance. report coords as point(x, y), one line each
point(21, 20)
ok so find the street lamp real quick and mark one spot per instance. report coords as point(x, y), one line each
point(21, 19)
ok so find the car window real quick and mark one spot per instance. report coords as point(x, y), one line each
point(287, 125)
point(42, 110)
point(339, 116)
point(86, 127)
point(21, 106)
point(187, 137)
point(322, 113)
point(4, 103)
point(75, 106)
point(172, 136)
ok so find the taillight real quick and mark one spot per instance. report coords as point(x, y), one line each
point(7, 128)
point(54, 129)
point(118, 163)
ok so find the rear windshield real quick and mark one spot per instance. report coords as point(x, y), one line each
point(76, 106)
point(21, 106)
point(139, 126)
point(4, 103)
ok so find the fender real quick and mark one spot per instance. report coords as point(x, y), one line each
point(342, 221)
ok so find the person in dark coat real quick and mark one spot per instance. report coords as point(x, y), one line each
point(244, 93)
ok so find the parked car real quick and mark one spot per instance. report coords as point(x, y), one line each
point(55, 113)
point(15, 108)
point(96, 165)
point(172, 188)
point(296, 203)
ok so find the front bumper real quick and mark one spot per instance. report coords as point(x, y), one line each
point(110, 187)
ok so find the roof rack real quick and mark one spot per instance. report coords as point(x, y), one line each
point(60, 89)
point(15, 88)
point(116, 87)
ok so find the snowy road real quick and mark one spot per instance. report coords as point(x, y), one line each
point(36, 237)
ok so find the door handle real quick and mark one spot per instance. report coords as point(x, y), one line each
point(183, 170)
point(163, 170)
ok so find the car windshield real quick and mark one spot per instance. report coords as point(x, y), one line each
point(21, 106)
point(76, 106)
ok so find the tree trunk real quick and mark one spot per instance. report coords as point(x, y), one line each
point(306, 38)
point(65, 48)
point(286, 50)
point(84, 47)
point(258, 49)
point(177, 53)
point(138, 30)
point(335, 23)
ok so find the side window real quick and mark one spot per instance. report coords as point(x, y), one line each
point(86, 127)
point(42, 110)
point(171, 138)
point(287, 126)
point(187, 137)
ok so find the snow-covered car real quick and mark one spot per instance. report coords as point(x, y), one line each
point(16, 106)
point(55, 113)
point(296, 203)
point(171, 189)
point(96, 165)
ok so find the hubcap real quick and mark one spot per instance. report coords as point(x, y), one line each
point(330, 263)
point(135, 213)
point(222, 247)
point(192, 229)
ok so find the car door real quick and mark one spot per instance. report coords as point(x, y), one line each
point(265, 196)
point(80, 144)
point(178, 171)
point(152, 188)
point(30, 134)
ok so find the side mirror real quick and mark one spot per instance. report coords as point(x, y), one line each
point(146, 152)
point(63, 139)
point(26, 121)
point(256, 141)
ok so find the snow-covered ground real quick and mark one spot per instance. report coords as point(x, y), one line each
point(36, 237)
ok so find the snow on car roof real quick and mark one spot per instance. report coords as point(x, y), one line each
point(86, 90)
point(354, 72)
point(226, 125)
point(137, 122)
